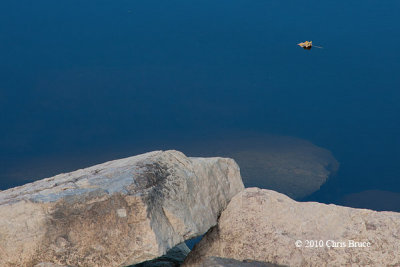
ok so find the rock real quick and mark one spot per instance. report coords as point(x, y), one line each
point(117, 213)
point(173, 258)
point(224, 262)
point(373, 199)
point(264, 225)
point(49, 264)
point(288, 165)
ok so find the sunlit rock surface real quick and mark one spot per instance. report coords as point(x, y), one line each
point(49, 264)
point(224, 262)
point(264, 225)
point(117, 213)
point(288, 165)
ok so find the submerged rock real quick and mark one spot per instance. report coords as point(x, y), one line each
point(117, 213)
point(288, 165)
point(267, 226)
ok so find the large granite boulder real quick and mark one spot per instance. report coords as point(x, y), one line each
point(117, 213)
point(264, 225)
point(288, 165)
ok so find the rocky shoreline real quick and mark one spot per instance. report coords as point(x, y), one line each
point(138, 211)
point(266, 226)
point(117, 213)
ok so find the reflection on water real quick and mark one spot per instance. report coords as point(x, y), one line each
point(84, 83)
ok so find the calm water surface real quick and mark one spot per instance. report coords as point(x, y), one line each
point(82, 82)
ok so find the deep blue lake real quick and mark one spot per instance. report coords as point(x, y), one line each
point(83, 82)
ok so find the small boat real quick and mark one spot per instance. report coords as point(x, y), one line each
point(306, 44)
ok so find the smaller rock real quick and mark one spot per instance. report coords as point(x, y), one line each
point(267, 226)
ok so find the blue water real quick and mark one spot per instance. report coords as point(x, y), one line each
point(82, 82)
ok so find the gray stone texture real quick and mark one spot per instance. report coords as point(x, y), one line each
point(117, 213)
point(263, 225)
